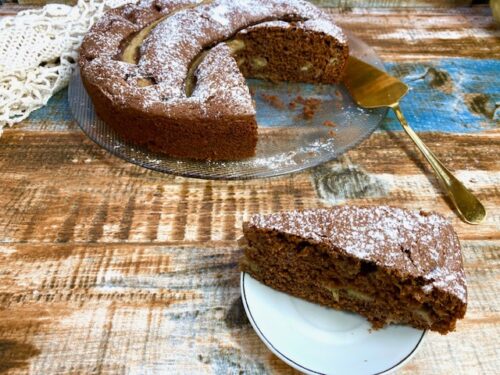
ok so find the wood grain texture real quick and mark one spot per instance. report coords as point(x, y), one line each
point(449, 95)
point(109, 268)
point(324, 3)
point(424, 34)
point(391, 3)
point(141, 268)
point(62, 188)
point(10, 9)
point(45, 2)
point(135, 308)
point(328, 3)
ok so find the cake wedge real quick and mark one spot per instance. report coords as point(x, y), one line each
point(390, 265)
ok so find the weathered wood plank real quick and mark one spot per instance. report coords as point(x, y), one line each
point(448, 95)
point(60, 187)
point(424, 34)
point(326, 3)
point(390, 3)
point(45, 2)
point(106, 267)
point(146, 308)
point(13, 9)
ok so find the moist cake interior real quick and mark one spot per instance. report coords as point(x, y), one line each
point(288, 51)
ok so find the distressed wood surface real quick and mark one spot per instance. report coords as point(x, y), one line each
point(10, 9)
point(422, 34)
point(391, 3)
point(109, 268)
point(327, 3)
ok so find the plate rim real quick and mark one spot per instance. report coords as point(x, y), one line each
point(297, 365)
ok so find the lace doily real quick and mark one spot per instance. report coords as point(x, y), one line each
point(38, 50)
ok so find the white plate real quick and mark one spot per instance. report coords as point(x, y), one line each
point(319, 340)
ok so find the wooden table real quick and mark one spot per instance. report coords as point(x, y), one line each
point(106, 267)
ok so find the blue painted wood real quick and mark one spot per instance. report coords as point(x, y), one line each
point(57, 109)
point(450, 95)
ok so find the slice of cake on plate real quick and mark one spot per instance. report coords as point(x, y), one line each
point(388, 264)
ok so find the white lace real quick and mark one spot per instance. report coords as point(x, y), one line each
point(38, 50)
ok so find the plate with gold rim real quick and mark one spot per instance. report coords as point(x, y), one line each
point(318, 340)
point(289, 140)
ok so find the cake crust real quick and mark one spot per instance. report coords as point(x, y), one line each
point(413, 259)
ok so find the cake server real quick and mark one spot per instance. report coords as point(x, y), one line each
point(373, 88)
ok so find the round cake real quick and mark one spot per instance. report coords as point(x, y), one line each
point(169, 75)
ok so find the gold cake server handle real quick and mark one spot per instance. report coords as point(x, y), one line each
point(373, 88)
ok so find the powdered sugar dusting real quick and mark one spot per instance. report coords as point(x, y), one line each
point(220, 14)
point(414, 243)
point(325, 26)
point(321, 25)
point(216, 78)
point(168, 51)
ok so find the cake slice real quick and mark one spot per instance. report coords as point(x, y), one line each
point(388, 264)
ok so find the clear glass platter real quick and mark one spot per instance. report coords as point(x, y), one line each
point(288, 141)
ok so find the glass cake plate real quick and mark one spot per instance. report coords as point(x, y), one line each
point(288, 141)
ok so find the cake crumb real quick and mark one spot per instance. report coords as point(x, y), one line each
point(332, 133)
point(309, 106)
point(274, 101)
point(329, 123)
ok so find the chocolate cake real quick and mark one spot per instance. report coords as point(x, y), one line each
point(388, 264)
point(170, 74)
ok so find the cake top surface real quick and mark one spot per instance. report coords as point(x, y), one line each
point(415, 244)
point(185, 28)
